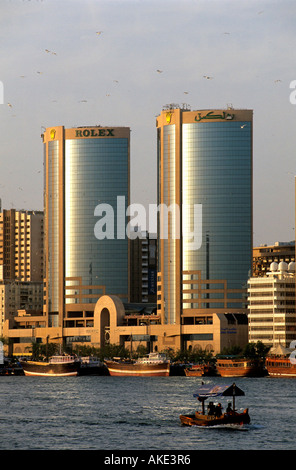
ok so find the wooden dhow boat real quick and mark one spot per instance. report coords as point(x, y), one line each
point(239, 367)
point(280, 367)
point(215, 417)
point(200, 370)
point(281, 362)
point(154, 364)
point(56, 366)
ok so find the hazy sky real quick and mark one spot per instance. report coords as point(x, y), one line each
point(248, 47)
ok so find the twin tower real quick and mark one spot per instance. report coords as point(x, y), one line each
point(204, 189)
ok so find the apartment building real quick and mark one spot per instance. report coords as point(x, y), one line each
point(21, 263)
point(272, 315)
point(21, 246)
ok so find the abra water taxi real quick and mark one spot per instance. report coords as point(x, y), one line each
point(215, 416)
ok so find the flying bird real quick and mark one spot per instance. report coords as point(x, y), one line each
point(159, 71)
point(50, 52)
point(186, 92)
point(277, 81)
point(9, 104)
point(208, 78)
point(99, 32)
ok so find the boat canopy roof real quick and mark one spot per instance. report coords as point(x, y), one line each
point(210, 391)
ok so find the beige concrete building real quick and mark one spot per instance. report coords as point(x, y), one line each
point(117, 323)
point(16, 296)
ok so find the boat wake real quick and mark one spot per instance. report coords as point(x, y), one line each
point(230, 427)
point(225, 427)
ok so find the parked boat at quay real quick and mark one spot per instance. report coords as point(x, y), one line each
point(92, 366)
point(56, 366)
point(215, 416)
point(240, 367)
point(280, 362)
point(200, 370)
point(154, 364)
point(280, 367)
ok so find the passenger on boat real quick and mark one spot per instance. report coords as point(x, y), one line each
point(211, 408)
point(218, 410)
point(229, 409)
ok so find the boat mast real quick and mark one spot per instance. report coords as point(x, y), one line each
point(47, 348)
point(233, 396)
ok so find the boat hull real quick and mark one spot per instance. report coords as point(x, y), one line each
point(233, 368)
point(199, 419)
point(125, 369)
point(280, 367)
point(200, 371)
point(44, 369)
point(194, 372)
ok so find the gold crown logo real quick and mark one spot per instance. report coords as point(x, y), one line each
point(52, 133)
point(168, 117)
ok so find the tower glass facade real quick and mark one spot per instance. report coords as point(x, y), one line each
point(52, 214)
point(208, 173)
point(86, 168)
point(96, 172)
point(169, 200)
point(217, 174)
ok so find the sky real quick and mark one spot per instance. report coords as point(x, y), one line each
point(56, 70)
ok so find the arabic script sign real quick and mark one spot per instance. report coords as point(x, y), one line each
point(210, 115)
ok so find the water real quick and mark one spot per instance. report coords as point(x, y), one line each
point(135, 413)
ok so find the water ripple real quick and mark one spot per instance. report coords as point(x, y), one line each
point(137, 413)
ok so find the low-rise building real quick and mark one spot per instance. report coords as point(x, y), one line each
point(114, 322)
point(15, 296)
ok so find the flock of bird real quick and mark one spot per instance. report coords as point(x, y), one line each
point(98, 33)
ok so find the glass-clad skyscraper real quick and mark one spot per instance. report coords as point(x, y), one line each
point(205, 170)
point(86, 175)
